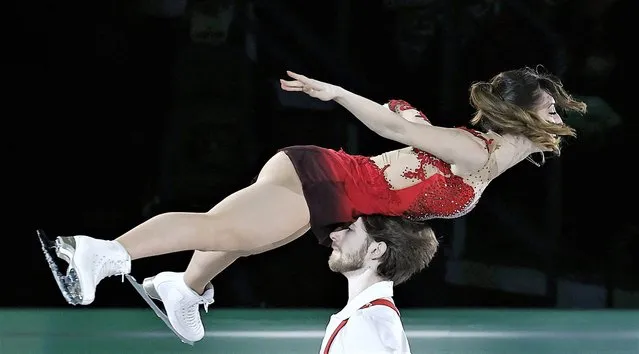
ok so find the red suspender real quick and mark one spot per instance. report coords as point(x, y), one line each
point(332, 338)
point(383, 302)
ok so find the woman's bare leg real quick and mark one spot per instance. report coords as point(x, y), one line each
point(205, 266)
point(262, 214)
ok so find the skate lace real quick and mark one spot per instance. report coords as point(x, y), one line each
point(191, 313)
point(108, 267)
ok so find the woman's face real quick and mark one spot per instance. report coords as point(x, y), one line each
point(547, 109)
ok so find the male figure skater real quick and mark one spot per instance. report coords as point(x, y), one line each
point(374, 257)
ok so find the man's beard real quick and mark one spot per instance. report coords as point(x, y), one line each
point(341, 263)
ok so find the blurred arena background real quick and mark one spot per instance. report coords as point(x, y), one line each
point(126, 109)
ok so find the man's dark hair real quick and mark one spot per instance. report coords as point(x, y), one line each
point(410, 245)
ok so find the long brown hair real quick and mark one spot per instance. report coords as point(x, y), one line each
point(508, 102)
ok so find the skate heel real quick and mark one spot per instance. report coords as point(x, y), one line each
point(63, 248)
point(148, 287)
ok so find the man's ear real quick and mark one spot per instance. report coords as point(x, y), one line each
point(379, 248)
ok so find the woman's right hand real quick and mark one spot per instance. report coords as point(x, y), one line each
point(314, 88)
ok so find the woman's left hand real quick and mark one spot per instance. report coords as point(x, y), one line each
point(311, 87)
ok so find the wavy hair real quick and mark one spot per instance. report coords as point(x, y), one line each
point(507, 104)
point(411, 245)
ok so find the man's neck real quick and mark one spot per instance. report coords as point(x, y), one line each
point(360, 280)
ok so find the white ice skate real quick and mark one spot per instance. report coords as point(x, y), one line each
point(181, 303)
point(89, 261)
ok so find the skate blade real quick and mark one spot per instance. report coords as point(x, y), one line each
point(138, 287)
point(69, 284)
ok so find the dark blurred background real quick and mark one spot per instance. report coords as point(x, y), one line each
point(120, 110)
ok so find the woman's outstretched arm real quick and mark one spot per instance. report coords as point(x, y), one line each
point(454, 146)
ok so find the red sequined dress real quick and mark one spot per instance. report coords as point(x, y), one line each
point(408, 182)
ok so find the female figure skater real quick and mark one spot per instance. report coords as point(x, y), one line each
point(440, 174)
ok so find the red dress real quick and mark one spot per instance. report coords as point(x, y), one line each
point(340, 187)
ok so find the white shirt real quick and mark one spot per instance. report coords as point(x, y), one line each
point(375, 329)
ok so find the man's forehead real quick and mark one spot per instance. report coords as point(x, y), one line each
point(358, 222)
point(342, 226)
point(346, 225)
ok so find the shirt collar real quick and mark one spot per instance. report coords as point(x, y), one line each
point(382, 289)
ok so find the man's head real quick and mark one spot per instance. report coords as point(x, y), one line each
point(395, 247)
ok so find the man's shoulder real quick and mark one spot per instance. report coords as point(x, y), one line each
point(379, 324)
point(380, 317)
point(379, 313)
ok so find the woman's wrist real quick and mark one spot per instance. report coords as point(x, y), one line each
point(340, 94)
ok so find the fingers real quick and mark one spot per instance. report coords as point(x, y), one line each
point(300, 83)
point(287, 88)
point(291, 85)
point(292, 74)
point(299, 77)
